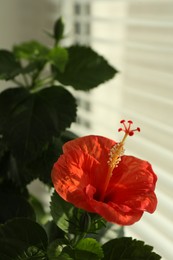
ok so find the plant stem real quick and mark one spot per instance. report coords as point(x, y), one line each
point(77, 238)
point(45, 81)
point(25, 80)
point(17, 82)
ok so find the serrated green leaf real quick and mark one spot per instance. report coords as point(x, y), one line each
point(61, 212)
point(38, 208)
point(58, 29)
point(66, 254)
point(3, 153)
point(33, 67)
point(109, 231)
point(68, 136)
point(88, 249)
point(58, 56)
point(32, 253)
point(55, 249)
point(32, 50)
point(22, 239)
point(53, 231)
point(42, 165)
point(85, 69)
point(14, 206)
point(128, 248)
point(3, 146)
point(9, 100)
point(9, 66)
point(29, 121)
point(7, 186)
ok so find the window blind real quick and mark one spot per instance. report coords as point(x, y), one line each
point(137, 38)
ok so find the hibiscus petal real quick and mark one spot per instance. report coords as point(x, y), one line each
point(134, 173)
point(113, 213)
point(132, 184)
point(96, 146)
point(90, 153)
point(79, 199)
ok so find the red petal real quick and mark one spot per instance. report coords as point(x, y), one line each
point(96, 146)
point(84, 162)
point(132, 184)
point(114, 213)
point(90, 154)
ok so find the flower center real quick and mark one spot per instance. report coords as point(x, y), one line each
point(117, 151)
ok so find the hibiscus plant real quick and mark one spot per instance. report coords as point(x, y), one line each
point(91, 181)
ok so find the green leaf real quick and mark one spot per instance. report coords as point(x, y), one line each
point(53, 231)
point(38, 208)
point(68, 136)
point(35, 53)
point(9, 66)
point(58, 30)
point(56, 251)
point(85, 69)
point(61, 212)
point(7, 186)
point(31, 51)
point(14, 206)
point(3, 147)
point(128, 248)
point(58, 56)
point(29, 121)
point(4, 159)
point(42, 165)
point(33, 67)
point(88, 249)
point(109, 231)
point(22, 239)
point(66, 254)
point(32, 253)
point(10, 99)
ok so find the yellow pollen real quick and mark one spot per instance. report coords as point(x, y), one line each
point(115, 154)
point(114, 158)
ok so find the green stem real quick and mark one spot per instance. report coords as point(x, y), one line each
point(77, 238)
point(36, 76)
point(48, 81)
point(45, 81)
point(25, 80)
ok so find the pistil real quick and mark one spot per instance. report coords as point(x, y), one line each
point(117, 151)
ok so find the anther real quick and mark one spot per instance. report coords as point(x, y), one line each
point(115, 155)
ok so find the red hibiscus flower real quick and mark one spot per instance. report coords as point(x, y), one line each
point(94, 175)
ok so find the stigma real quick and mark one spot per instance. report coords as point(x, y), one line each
point(117, 150)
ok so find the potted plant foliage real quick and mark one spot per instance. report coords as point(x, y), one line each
point(35, 143)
